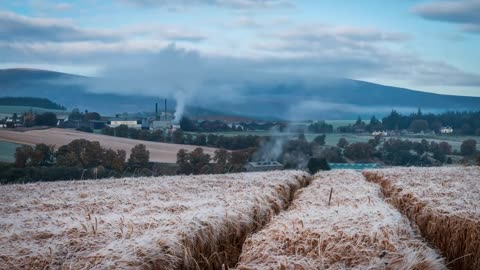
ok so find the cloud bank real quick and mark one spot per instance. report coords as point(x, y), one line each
point(466, 13)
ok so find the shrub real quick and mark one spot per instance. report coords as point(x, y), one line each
point(317, 164)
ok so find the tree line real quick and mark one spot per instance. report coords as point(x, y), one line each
point(178, 136)
point(463, 123)
point(78, 159)
point(31, 102)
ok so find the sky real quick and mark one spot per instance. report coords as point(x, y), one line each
point(426, 45)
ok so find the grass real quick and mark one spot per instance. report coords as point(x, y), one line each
point(7, 151)
point(443, 202)
point(339, 222)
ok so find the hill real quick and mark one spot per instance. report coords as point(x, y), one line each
point(30, 102)
point(323, 99)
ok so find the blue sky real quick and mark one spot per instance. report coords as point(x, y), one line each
point(425, 45)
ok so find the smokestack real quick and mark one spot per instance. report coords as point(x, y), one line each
point(156, 109)
point(166, 109)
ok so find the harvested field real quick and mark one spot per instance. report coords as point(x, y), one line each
point(358, 230)
point(182, 222)
point(443, 202)
point(159, 152)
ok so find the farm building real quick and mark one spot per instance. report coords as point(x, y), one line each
point(264, 166)
point(131, 123)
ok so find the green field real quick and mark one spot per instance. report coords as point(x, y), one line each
point(10, 110)
point(7, 151)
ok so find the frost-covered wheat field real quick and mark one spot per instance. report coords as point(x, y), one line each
point(402, 218)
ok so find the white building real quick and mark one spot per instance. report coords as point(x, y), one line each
point(379, 133)
point(446, 130)
point(128, 123)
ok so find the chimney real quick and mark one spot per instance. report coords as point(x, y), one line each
point(166, 109)
point(156, 109)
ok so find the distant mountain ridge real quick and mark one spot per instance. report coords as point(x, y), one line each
point(325, 99)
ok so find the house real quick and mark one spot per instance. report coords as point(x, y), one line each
point(446, 130)
point(263, 166)
point(380, 133)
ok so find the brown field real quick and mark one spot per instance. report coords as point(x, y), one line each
point(180, 222)
point(443, 202)
point(159, 152)
point(402, 218)
point(358, 230)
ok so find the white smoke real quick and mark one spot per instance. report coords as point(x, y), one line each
point(181, 100)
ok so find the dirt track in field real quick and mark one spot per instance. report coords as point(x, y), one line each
point(159, 152)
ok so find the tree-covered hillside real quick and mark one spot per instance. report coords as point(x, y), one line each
point(30, 102)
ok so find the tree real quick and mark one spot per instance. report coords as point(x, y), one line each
point(121, 131)
point(139, 156)
point(23, 154)
point(198, 160)
point(418, 126)
point(187, 125)
point(320, 127)
point(221, 159)
point(342, 143)
point(75, 115)
point(445, 148)
point(468, 147)
point(200, 139)
point(317, 164)
point(359, 151)
point(374, 125)
point(178, 136)
point(183, 162)
point(46, 119)
point(239, 158)
point(320, 139)
point(114, 160)
point(43, 155)
point(80, 153)
point(92, 116)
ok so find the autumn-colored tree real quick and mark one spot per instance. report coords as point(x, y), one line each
point(239, 158)
point(468, 147)
point(359, 151)
point(23, 154)
point(183, 162)
point(43, 155)
point(80, 153)
point(114, 160)
point(198, 159)
point(221, 159)
point(139, 156)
